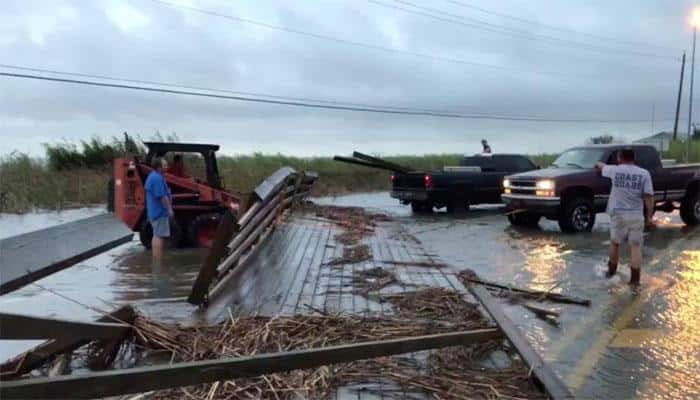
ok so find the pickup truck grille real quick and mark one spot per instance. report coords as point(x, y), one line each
point(522, 187)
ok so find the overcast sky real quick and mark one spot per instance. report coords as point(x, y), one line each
point(625, 66)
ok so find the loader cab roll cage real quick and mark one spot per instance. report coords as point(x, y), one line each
point(207, 151)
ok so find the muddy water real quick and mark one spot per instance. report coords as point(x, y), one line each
point(122, 275)
point(625, 345)
point(628, 344)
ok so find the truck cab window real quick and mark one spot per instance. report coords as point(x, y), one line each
point(646, 158)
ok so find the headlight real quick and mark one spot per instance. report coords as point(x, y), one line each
point(545, 185)
point(506, 183)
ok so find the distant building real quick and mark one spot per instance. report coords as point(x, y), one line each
point(662, 140)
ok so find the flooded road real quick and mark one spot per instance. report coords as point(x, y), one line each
point(626, 345)
point(122, 275)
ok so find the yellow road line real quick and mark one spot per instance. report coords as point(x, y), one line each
point(635, 338)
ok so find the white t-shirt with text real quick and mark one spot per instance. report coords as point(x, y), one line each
point(629, 184)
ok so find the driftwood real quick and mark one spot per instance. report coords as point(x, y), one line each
point(469, 277)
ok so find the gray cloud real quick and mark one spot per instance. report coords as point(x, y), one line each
point(139, 39)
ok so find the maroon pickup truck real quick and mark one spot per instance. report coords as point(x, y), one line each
point(571, 191)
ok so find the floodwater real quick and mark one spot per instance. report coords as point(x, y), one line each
point(626, 345)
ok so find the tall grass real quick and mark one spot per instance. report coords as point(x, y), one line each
point(69, 176)
point(27, 183)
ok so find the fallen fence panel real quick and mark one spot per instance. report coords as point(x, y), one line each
point(142, 379)
point(29, 257)
point(25, 327)
point(270, 199)
point(554, 387)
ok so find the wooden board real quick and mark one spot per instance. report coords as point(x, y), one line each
point(32, 256)
point(33, 358)
point(22, 327)
point(135, 380)
point(554, 387)
point(224, 232)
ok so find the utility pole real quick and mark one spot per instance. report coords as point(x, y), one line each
point(690, 107)
point(678, 102)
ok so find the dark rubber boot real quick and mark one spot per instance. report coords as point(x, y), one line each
point(612, 270)
point(635, 277)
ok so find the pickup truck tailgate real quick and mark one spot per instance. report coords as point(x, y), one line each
point(413, 180)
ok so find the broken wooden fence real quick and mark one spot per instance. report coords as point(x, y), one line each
point(142, 379)
point(238, 237)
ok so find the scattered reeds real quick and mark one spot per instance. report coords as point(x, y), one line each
point(452, 373)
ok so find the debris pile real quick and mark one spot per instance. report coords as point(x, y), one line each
point(353, 255)
point(373, 280)
point(449, 373)
point(436, 304)
point(356, 223)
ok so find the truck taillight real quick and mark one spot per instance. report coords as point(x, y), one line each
point(428, 179)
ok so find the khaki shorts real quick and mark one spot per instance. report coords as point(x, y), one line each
point(627, 228)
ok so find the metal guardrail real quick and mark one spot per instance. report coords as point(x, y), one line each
point(238, 238)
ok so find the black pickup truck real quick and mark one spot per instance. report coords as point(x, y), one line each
point(571, 191)
point(477, 180)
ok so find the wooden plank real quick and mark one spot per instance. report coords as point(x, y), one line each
point(134, 380)
point(224, 232)
point(33, 358)
point(556, 297)
point(29, 257)
point(14, 326)
point(554, 387)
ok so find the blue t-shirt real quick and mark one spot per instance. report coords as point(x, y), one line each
point(156, 188)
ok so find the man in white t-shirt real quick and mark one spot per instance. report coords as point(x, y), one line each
point(632, 190)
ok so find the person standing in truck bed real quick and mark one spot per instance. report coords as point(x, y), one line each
point(485, 148)
point(631, 191)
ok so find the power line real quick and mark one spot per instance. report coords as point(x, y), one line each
point(500, 29)
point(201, 88)
point(560, 28)
point(367, 45)
point(439, 114)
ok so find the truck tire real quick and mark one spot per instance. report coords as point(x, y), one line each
point(421, 207)
point(577, 215)
point(458, 206)
point(524, 219)
point(690, 208)
point(202, 229)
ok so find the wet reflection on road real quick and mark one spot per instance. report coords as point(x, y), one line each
point(627, 344)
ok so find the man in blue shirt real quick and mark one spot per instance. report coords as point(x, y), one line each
point(158, 206)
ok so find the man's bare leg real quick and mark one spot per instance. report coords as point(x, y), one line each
point(613, 258)
point(157, 248)
point(635, 263)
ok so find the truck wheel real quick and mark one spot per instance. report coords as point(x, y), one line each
point(146, 233)
point(202, 229)
point(458, 207)
point(421, 208)
point(690, 208)
point(524, 219)
point(577, 215)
